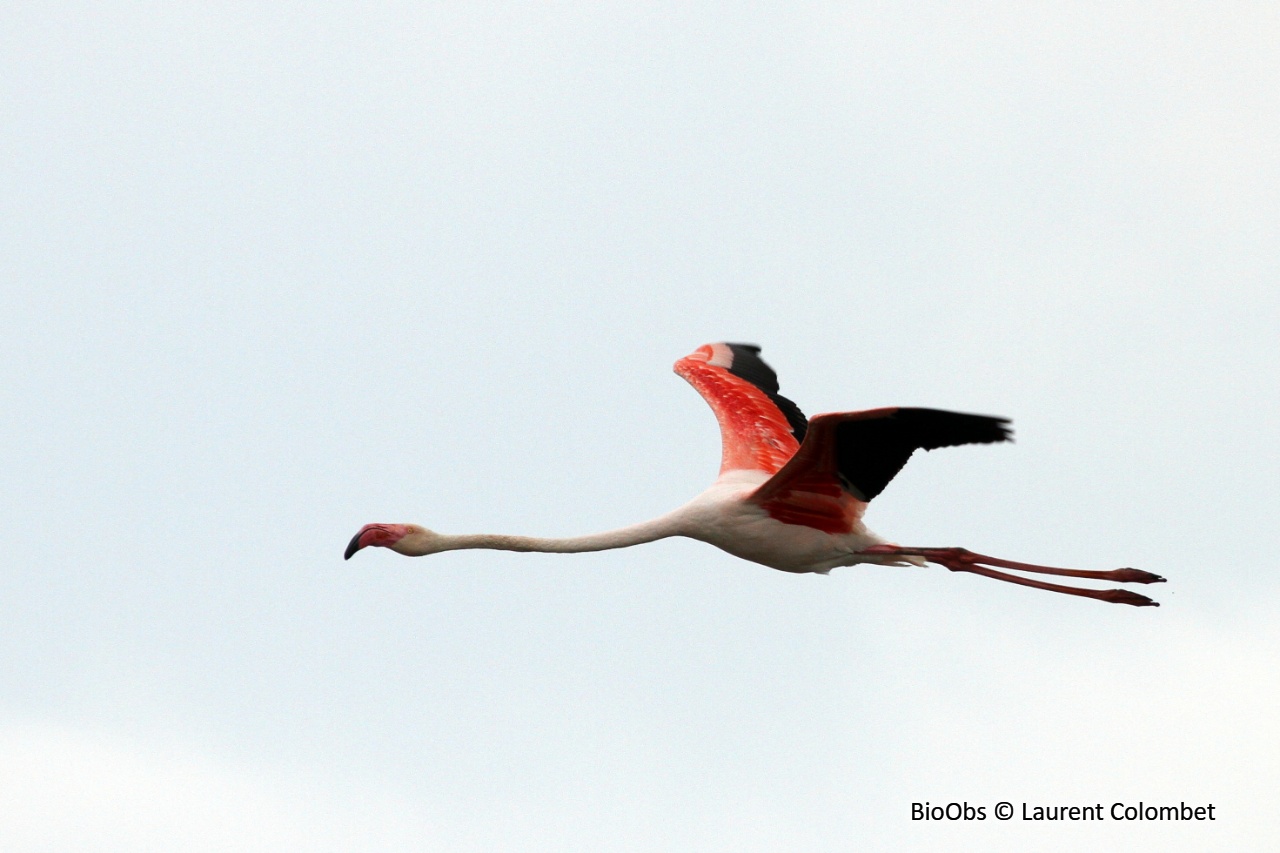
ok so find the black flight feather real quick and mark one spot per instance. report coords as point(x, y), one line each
point(871, 451)
point(748, 365)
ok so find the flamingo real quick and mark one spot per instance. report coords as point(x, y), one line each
point(791, 491)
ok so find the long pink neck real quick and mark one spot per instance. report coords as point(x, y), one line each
point(636, 534)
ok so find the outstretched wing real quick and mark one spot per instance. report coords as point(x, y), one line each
point(848, 458)
point(759, 428)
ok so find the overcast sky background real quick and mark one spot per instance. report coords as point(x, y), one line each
point(273, 271)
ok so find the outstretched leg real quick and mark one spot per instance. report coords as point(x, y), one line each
point(961, 560)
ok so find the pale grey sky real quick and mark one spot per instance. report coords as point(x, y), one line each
point(272, 271)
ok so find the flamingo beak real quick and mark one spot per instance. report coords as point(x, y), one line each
point(354, 546)
point(382, 535)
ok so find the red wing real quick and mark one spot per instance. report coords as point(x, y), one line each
point(759, 428)
point(849, 457)
point(808, 490)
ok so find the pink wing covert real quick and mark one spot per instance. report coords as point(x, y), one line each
point(755, 434)
point(808, 489)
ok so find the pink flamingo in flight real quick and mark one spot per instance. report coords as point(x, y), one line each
point(792, 491)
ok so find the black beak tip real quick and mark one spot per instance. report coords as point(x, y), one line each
point(352, 547)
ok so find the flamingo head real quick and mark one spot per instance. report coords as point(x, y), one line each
point(408, 539)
